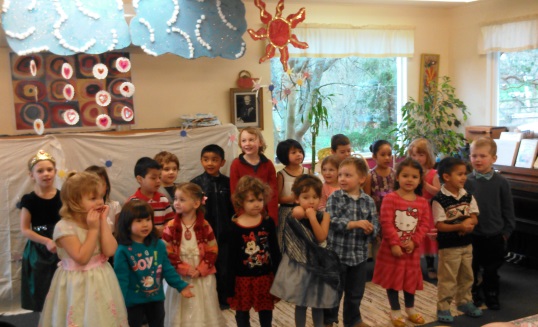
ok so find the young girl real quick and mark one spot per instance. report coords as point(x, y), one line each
point(421, 150)
point(141, 263)
point(84, 290)
point(114, 206)
point(39, 213)
point(303, 276)
point(329, 171)
point(254, 253)
point(192, 250)
point(404, 221)
point(253, 162)
point(291, 154)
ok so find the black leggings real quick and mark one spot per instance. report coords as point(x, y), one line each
point(409, 299)
point(243, 318)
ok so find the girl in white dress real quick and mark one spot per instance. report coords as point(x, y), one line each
point(84, 290)
point(192, 250)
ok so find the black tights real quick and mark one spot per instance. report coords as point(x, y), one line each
point(409, 299)
point(243, 318)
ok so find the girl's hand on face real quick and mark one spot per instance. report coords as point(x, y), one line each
point(396, 251)
point(186, 292)
point(104, 212)
point(298, 212)
point(51, 246)
point(92, 220)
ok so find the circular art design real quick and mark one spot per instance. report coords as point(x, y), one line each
point(102, 98)
point(39, 126)
point(32, 111)
point(113, 86)
point(22, 67)
point(123, 64)
point(56, 90)
point(127, 89)
point(30, 91)
point(89, 112)
point(67, 70)
point(127, 113)
point(103, 121)
point(71, 117)
point(68, 92)
point(85, 64)
point(100, 71)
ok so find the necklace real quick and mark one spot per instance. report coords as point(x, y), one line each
point(188, 233)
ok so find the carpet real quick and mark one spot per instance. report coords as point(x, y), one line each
point(374, 308)
point(531, 321)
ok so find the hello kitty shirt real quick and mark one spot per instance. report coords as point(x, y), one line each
point(401, 220)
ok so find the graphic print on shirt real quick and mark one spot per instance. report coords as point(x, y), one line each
point(256, 248)
point(459, 210)
point(149, 271)
point(406, 222)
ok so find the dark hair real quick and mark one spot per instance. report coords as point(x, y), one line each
point(447, 166)
point(134, 209)
point(165, 157)
point(144, 164)
point(213, 148)
point(374, 148)
point(101, 172)
point(409, 162)
point(283, 150)
point(339, 139)
point(194, 190)
point(247, 184)
point(359, 163)
point(306, 182)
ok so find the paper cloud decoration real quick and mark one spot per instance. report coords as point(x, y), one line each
point(190, 29)
point(65, 27)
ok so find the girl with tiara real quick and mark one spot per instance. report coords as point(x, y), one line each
point(39, 213)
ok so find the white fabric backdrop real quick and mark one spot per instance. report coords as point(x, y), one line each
point(78, 151)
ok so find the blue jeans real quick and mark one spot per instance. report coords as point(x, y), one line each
point(352, 283)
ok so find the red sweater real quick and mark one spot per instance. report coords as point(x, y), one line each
point(264, 170)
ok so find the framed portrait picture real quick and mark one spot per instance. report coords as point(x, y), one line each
point(246, 108)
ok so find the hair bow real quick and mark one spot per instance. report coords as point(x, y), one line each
point(204, 198)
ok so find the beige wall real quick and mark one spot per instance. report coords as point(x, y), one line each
point(169, 86)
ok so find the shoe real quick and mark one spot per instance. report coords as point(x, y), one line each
point(470, 310)
point(492, 301)
point(444, 316)
point(224, 306)
point(398, 321)
point(416, 318)
point(432, 274)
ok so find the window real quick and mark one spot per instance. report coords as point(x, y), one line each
point(517, 103)
point(362, 95)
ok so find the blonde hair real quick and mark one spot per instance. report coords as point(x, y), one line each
point(194, 191)
point(165, 157)
point(330, 160)
point(483, 142)
point(423, 146)
point(254, 131)
point(249, 184)
point(359, 163)
point(75, 187)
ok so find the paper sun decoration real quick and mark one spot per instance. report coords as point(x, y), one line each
point(279, 32)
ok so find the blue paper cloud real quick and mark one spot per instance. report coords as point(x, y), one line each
point(65, 27)
point(190, 28)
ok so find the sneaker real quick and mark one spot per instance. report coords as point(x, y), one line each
point(492, 301)
point(470, 310)
point(444, 316)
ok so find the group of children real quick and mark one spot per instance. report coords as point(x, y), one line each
point(226, 243)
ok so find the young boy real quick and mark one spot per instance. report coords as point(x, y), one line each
point(148, 175)
point(455, 214)
point(219, 208)
point(497, 221)
point(340, 146)
point(170, 169)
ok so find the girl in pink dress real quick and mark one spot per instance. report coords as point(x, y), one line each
point(421, 150)
point(329, 171)
point(404, 221)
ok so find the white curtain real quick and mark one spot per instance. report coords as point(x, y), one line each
point(361, 41)
point(509, 36)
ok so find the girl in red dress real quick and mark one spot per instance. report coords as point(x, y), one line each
point(404, 220)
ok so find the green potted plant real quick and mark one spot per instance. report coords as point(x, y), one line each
point(437, 119)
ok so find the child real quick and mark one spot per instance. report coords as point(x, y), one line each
point(192, 250)
point(84, 290)
point(404, 221)
point(219, 209)
point(254, 253)
point(421, 150)
point(291, 154)
point(253, 162)
point(39, 213)
point(455, 212)
point(304, 276)
point(353, 224)
point(141, 263)
point(497, 220)
point(169, 171)
point(114, 206)
point(329, 171)
point(340, 146)
point(148, 175)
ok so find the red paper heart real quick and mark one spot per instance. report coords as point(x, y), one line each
point(38, 125)
point(103, 121)
point(100, 71)
point(68, 91)
point(71, 116)
point(67, 71)
point(123, 64)
point(103, 98)
point(126, 88)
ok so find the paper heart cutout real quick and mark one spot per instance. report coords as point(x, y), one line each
point(33, 68)
point(127, 89)
point(71, 117)
point(100, 71)
point(127, 113)
point(69, 92)
point(67, 70)
point(102, 98)
point(39, 127)
point(103, 121)
point(123, 64)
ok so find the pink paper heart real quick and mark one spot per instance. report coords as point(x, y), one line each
point(128, 112)
point(103, 121)
point(67, 71)
point(123, 64)
point(69, 91)
point(71, 116)
point(103, 98)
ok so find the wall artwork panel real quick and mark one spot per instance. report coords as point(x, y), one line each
point(47, 86)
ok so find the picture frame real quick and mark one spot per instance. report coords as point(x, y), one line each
point(429, 73)
point(246, 108)
point(528, 149)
